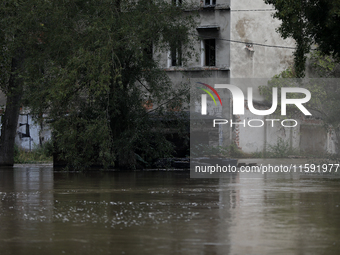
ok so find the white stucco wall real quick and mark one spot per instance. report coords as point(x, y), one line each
point(252, 22)
point(261, 139)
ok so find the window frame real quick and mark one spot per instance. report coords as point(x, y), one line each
point(178, 55)
point(211, 3)
point(206, 53)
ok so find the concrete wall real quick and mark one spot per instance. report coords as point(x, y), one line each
point(266, 134)
point(37, 133)
point(243, 52)
point(252, 22)
point(220, 17)
point(315, 139)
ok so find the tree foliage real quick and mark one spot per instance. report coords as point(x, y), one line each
point(323, 88)
point(14, 44)
point(88, 67)
point(324, 103)
point(309, 22)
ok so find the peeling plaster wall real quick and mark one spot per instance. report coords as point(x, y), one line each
point(256, 27)
point(246, 24)
point(249, 23)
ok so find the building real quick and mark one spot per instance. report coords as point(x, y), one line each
point(238, 44)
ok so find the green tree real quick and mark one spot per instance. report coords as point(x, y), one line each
point(16, 38)
point(312, 23)
point(90, 70)
point(325, 90)
point(309, 22)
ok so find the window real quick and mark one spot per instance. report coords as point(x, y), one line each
point(210, 2)
point(148, 50)
point(177, 2)
point(176, 54)
point(209, 52)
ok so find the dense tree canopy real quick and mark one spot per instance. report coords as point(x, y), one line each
point(88, 66)
point(314, 24)
point(309, 22)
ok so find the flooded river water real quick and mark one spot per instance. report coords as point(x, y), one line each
point(47, 212)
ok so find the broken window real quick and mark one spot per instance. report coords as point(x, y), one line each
point(210, 2)
point(209, 54)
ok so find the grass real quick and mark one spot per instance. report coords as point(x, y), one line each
point(39, 155)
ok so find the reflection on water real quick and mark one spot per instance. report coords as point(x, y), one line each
point(46, 212)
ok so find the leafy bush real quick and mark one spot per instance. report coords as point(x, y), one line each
point(41, 154)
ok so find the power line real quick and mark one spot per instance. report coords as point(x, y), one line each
point(263, 45)
point(254, 10)
point(258, 44)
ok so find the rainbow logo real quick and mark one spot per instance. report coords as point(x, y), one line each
point(213, 90)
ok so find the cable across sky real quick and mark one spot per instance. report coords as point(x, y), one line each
point(258, 44)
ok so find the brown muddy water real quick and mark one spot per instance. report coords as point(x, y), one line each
point(47, 212)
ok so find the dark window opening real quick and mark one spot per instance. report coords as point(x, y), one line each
point(210, 2)
point(177, 2)
point(176, 55)
point(148, 51)
point(210, 52)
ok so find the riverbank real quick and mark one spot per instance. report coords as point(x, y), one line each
point(316, 166)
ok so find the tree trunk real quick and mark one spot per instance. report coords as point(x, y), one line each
point(11, 116)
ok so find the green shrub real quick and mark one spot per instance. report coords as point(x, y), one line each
point(279, 150)
point(40, 154)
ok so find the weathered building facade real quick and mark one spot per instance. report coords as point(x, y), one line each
point(235, 41)
point(237, 44)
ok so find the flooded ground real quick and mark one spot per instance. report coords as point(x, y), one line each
point(46, 212)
